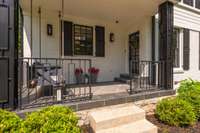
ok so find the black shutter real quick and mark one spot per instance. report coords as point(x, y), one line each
point(4, 80)
point(68, 47)
point(4, 22)
point(100, 41)
point(197, 4)
point(188, 2)
point(186, 49)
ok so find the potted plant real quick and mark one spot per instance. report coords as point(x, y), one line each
point(93, 73)
point(79, 75)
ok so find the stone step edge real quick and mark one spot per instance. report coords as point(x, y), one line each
point(116, 122)
point(142, 126)
point(104, 119)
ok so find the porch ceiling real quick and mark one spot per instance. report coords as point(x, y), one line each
point(125, 11)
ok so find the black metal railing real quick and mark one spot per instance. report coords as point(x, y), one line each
point(46, 81)
point(147, 75)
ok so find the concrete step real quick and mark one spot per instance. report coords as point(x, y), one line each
point(142, 126)
point(114, 117)
point(122, 80)
point(125, 76)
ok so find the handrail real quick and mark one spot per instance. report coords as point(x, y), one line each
point(147, 74)
point(36, 58)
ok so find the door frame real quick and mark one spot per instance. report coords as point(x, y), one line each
point(129, 48)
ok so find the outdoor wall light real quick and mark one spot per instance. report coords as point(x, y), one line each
point(49, 29)
point(112, 37)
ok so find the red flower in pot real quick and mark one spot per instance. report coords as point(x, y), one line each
point(93, 73)
point(79, 75)
point(78, 71)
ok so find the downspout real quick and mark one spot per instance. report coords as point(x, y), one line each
point(62, 17)
point(31, 44)
point(60, 34)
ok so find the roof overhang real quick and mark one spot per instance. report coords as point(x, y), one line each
point(125, 11)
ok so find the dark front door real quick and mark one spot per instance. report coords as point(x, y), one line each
point(134, 55)
point(8, 33)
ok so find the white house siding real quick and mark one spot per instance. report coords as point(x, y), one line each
point(115, 53)
point(185, 18)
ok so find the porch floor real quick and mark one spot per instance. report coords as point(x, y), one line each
point(104, 94)
point(110, 88)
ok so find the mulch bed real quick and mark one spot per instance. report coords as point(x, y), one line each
point(163, 128)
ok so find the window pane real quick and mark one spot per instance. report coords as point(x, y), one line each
point(176, 45)
point(83, 40)
point(188, 2)
point(197, 4)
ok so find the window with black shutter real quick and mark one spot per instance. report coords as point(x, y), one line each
point(188, 2)
point(68, 51)
point(100, 41)
point(186, 49)
point(197, 4)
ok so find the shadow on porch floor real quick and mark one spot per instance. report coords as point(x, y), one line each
point(106, 94)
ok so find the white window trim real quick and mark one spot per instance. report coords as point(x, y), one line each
point(180, 69)
point(188, 7)
point(194, 3)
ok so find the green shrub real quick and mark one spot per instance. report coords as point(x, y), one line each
point(175, 112)
point(190, 91)
point(192, 97)
point(51, 119)
point(9, 122)
point(188, 85)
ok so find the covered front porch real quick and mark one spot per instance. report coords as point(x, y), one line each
point(66, 37)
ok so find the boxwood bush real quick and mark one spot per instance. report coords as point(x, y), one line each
point(188, 85)
point(175, 112)
point(9, 122)
point(190, 91)
point(51, 120)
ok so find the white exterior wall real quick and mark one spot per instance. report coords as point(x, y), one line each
point(144, 27)
point(110, 66)
point(183, 18)
point(186, 18)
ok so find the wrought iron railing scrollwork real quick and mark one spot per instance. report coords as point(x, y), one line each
point(46, 81)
